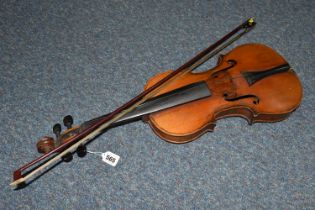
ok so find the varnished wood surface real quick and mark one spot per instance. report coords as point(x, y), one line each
point(279, 95)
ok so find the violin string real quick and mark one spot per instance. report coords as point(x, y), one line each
point(232, 78)
point(237, 76)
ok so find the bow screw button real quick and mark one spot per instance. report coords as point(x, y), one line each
point(68, 121)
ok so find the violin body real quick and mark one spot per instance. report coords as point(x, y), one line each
point(252, 81)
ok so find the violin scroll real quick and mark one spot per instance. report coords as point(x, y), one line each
point(47, 143)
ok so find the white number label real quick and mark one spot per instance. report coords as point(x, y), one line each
point(110, 158)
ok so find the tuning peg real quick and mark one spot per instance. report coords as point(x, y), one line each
point(68, 121)
point(57, 129)
point(81, 151)
point(67, 157)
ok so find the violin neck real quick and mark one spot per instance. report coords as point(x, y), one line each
point(186, 94)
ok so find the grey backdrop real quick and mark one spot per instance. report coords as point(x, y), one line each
point(85, 58)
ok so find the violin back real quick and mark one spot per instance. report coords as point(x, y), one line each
point(252, 81)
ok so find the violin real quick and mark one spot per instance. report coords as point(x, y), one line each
point(251, 81)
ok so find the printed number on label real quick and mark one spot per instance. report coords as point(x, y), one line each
point(110, 158)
